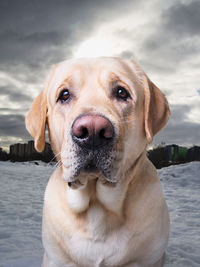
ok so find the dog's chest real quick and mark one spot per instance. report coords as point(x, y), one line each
point(106, 242)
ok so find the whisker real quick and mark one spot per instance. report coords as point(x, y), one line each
point(53, 158)
point(58, 163)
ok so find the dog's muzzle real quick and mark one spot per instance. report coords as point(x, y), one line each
point(93, 136)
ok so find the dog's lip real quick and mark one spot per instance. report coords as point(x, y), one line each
point(91, 166)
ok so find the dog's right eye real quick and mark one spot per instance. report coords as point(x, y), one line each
point(64, 96)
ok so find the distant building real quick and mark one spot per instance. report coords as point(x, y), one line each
point(25, 152)
point(173, 154)
point(3, 155)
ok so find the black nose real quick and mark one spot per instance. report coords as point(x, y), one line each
point(92, 131)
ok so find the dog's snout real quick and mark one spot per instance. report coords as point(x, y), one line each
point(92, 131)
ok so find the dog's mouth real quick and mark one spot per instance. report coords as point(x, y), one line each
point(102, 163)
point(91, 167)
point(90, 163)
point(98, 163)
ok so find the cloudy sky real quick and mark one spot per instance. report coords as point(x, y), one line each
point(162, 36)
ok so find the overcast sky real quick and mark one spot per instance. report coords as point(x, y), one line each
point(162, 36)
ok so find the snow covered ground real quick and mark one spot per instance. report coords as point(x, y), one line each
point(21, 195)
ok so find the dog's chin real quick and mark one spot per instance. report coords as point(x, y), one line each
point(79, 176)
point(102, 164)
point(91, 167)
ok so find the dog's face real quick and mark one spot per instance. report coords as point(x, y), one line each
point(101, 113)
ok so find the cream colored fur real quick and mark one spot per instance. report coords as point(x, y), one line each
point(97, 223)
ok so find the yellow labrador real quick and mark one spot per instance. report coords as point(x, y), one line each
point(103, 205)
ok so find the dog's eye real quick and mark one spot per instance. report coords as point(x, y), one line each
point(64, 96)
point(122, 93)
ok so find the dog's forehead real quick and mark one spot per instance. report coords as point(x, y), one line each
point(90, 66)
point(93, 63)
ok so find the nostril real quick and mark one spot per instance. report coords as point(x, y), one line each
point(83, 133)
point(106, 133)
point(102, 133)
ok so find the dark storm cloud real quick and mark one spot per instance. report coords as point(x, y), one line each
point(179, 113)
point(36, 31)
point(12, 125)
point(13, 110)
point(175, 40)
point(183, 19)
point(20, 48)
point(179, 128)
point(37, 34)
point(179, 133)
point(14, 95)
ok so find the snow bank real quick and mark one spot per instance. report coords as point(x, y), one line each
point(181, 184)
point(22, 187)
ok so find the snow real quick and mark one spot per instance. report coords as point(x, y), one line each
point(181, 184)
point(22, 187)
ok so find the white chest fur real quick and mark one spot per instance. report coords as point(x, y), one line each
point(104, 244)
point(104, 238)
point(78, 199)
point(107, 239)
point(110, 197)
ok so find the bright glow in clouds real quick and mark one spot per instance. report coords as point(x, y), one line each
point(93, 47)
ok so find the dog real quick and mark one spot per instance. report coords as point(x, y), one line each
point(103, 205)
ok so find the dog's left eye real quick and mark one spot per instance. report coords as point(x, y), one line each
point(64, 96)
point(122, 93)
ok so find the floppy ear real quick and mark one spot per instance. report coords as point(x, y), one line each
point(156, 109)
point(36, 121)
point(37, 116)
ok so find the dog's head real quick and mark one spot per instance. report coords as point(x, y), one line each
point(101, 114)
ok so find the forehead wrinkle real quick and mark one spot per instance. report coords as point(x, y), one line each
point(100, 78)
point(63, 75)
point(107, 77)
point(67, 80)
point(123, 78)
point(75, 77)
point(91, 78)
point(95, 87)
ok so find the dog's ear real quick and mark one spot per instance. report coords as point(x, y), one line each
point(37, 116)
point(156, 109)
point(36, 121)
